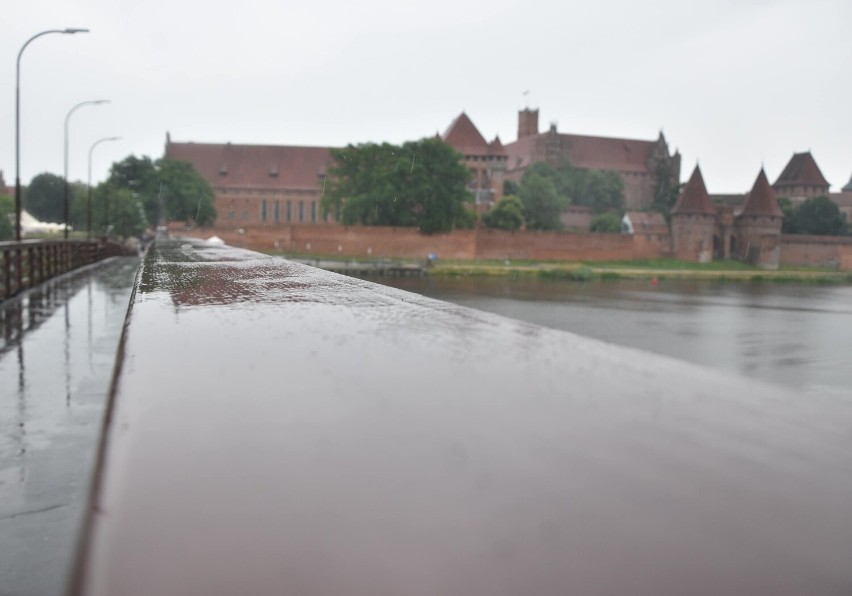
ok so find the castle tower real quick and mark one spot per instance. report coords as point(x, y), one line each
point(527, 123)
point(801, 179)
point(758, 226)
point(486, 161)
point(693, 222)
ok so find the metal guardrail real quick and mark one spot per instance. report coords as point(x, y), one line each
point(31, 262)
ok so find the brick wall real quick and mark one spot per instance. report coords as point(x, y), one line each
point(358, 241)
point(817, 251)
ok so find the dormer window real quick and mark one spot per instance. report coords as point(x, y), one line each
point(223, 170)
point(273, 171)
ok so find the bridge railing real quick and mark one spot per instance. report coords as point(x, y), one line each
point(31, 262)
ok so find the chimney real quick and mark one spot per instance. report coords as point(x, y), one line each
point(527, 122)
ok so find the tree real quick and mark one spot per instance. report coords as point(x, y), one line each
point(542, 203)
point(510, 188)
point(7, 217)
point(45, 198)
point(602, 190)
point(666, 187)
point(168, 189)
point(419, 184)
point(507, 214)
point(608, 223)
point(819, 216)
point(120, 206)
point(186, 194)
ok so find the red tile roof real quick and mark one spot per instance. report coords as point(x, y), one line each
point(647, 222)
point(761, 200)
point(694, 198)
point(585, 152)
point(463, 136)
point(496, 148)
point(602, 153)
point(254, 166)
point(842, 199)
point(801, 170)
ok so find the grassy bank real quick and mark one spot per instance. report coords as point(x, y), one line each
point(660, 269)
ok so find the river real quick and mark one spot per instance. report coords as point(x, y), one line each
point(799, 336)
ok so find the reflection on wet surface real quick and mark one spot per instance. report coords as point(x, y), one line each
point(795, 335)
point(57, 349)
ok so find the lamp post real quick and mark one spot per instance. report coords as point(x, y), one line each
point(89, 204)
point(93, 102)
point(67, 31)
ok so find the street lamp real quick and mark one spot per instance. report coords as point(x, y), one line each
point(89, 204)
point(67, 31)
point(93, 102)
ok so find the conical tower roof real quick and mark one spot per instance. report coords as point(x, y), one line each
point(495, 147)
point(761, 200)
point(694, 199)
point(848, 187)
point(463, 136)
point(802, 169)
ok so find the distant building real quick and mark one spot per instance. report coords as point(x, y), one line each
point(701, 231)
point(486, 161)
point(638, 162)
point(259, 184)
point(4, 190)
point(843, 200)
point(644, 222)
point(801, 179)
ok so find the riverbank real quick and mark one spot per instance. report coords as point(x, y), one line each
point(724, 271)
point(659, 269)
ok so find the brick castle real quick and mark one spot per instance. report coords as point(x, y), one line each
point(275, 185)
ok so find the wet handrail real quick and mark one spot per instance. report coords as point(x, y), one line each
point(28, 263)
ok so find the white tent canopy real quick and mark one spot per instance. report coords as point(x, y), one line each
point(30, 225)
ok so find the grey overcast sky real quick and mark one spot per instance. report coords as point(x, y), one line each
point(733, 84)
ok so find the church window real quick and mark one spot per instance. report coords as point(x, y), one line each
point(301, 211)
point(263, 210)
point(289, 210)
point(277, 211)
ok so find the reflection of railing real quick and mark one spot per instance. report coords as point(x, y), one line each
point(25, 264)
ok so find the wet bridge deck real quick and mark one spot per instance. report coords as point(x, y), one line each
point(57, 350)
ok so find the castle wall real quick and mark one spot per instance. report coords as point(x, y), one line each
point(638, 190)
point(817, 251)
point(264, 207)
point(758, 240)
point(359, 241)
point(692, 237)
point(494, 244)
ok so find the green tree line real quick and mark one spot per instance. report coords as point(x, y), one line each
point(418, 184)
point(818, 216)
point(138, 194)
point(545, 191)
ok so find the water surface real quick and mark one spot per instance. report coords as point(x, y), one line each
point(799, 336)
